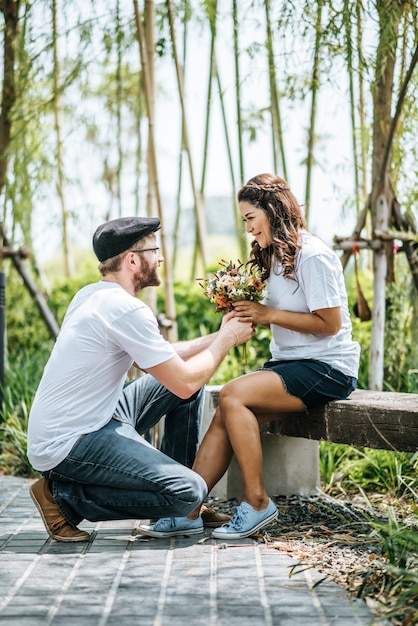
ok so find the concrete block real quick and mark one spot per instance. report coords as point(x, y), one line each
point(291, 464)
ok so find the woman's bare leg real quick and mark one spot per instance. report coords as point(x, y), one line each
point(244, 403)
point(215, 452)
point(214, 455)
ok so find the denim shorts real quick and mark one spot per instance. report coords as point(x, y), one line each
point(314, 382)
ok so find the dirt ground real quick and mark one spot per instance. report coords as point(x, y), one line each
point(333, 534)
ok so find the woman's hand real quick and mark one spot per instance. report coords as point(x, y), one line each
point(320, 322)
point(254, 312)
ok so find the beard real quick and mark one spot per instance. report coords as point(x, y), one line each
point(146, 276)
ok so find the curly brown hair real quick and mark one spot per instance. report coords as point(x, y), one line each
point(272, 194)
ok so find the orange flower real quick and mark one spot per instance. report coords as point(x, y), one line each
point(233, 283)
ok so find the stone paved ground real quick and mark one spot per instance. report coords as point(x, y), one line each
point(119, 578)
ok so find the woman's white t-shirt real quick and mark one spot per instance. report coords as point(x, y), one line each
point(105, 331)
point(319, 284)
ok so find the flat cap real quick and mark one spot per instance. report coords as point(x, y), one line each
point(116, 236)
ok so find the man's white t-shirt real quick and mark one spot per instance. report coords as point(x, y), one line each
point(319, 284)
point(105, 330)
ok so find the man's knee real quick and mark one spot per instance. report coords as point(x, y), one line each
point(192, 496)
point(200, 488)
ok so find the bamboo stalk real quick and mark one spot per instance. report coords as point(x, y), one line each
point(344, 243)
point(350, 69)
point(239, 224)
point(238, 91)
point(10, 10)
point(277, 134)
point(149, 27)
point(361, 104)
point(169, 289)
point(178, 205)
point(138, 157)
point(200, 217)
point(314, 92)
point(398, 110)
point(40, 301)
point(382, 194)
point(119, 107)
point(361, 221)
point(180, 170)
point(68, 259)
point(211, 11)
point(150, 295)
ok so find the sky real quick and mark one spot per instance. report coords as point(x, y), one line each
point(332, 177)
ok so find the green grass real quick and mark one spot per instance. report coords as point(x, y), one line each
point(392, 579)
point(383, 471)
point(21, 382)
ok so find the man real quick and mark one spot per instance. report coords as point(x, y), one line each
point(86, 423)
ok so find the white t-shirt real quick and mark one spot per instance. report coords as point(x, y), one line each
point(320, 285)
point(105, 330)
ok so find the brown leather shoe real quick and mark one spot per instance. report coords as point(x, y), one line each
point(211, 518)
point(56, 525)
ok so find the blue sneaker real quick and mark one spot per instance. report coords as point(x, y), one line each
point(172, 526)
point(246, 521)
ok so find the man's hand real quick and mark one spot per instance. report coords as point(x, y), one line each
point(228, 316)
point(242, 331)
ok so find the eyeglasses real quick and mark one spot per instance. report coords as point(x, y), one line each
point(154, 250)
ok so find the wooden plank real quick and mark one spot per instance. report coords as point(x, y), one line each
point(374, 419)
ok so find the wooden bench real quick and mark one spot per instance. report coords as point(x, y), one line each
point(374, 419)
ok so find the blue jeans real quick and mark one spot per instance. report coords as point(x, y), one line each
point(114, 473)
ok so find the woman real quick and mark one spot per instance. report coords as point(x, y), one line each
point(313, 357)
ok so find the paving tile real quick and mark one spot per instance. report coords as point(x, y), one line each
point(120, 578)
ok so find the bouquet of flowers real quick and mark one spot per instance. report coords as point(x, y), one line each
point(233, 283)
